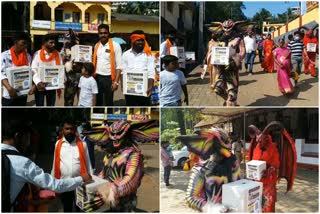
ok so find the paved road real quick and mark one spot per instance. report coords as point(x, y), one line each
point(303, 198)
point(260, 89)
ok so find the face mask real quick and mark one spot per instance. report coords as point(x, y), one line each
point(296, 38)
point(70, 137)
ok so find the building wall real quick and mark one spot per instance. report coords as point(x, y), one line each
point(129, 26)
point(171, 17)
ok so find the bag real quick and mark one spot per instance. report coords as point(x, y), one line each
point(186, 166)
point(5, 179)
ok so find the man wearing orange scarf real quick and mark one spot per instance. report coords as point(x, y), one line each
point(107, 63)
point(46, 56)
point(14, 57)
point(139, 58)
point(167, 44)
point(71, 159)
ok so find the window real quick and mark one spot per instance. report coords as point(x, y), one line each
point(98, 110)
point(123, 110)
point(76, 17)
point(58, 15)
point(170, 6)
point(87, 18)
point(313, 128)
point(131, 111)
point(110, 110)
point(100, 18)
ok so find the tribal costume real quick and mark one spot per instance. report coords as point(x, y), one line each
point(72, 70)
point(229, 34)
point(219, 167)
point(123, 162)
point(281, 159)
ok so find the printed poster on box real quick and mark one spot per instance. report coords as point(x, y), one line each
point(20, 78)
point(135, 83)
point(52, 76)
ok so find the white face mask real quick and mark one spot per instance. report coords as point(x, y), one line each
point(296, 38)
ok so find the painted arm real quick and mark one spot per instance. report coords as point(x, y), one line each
point(196, 198)
point(130, 181)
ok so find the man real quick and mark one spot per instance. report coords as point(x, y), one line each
point(250, 44)
point(280, 157)
point(312, 46)
point(268, 46)
point(297, 48)
point(139, 58)
point(237, 149)
point(260, 40)
point(14, 57)
point(167, 44)
point(15, 142)
point(166, 162)
point(71, 159)
point(46, 56)
point(107, 62)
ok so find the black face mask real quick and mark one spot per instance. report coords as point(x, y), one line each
point(70, 137)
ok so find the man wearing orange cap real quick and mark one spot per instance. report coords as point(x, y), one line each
point(139, 58)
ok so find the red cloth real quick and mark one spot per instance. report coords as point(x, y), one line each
point(310, 66)
point(271, 155)
point(268, 63)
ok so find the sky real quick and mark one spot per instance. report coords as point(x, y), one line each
point(275, 7)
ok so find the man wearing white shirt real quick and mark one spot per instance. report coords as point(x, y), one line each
point(251, 46)
point(139, 58)
point(167, 44)
point(16, 56)
point(71, 159)
point(46, 56)
point(107, 61)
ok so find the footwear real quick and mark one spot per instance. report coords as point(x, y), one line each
point(250, 74)
point(168, 185)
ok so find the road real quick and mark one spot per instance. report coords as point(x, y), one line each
point(259, 89)
point(303, 198)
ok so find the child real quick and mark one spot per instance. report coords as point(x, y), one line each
point(171, 83)
point(88, 88)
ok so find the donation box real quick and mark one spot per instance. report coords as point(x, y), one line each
point(243, 196)
point(255, 169)
point(87, 198)
point(81, 53)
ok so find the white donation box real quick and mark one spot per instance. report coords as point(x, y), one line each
point(243, 196)
point(255, 169)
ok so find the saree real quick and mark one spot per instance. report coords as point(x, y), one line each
point(268, 63)
point(284, 83)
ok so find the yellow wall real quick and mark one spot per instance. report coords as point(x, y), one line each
point(129, 26)
point(70, 7)
point(313, 15)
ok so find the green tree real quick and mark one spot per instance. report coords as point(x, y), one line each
point(220, 11)
point(260, 17)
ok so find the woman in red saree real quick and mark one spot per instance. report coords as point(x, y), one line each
point(268, 63)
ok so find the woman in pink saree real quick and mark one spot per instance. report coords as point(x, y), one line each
point(282, 61)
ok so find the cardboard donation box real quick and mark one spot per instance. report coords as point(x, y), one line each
point(243, 196)
point(20, 78)
point(311, 47)
point(52, 76)
point(179, 52)
point(81, 53)
point(255, 169)
point(220, 55)
point(135, 83)
point(87, 199)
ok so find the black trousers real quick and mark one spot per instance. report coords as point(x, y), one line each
point(132, 100)
point(105, 93)
point(18, 101)
point(50, 96)
point(68, 200)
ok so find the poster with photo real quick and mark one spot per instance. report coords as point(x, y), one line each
point(135, 83)
point(20, 78)
point(52, 76)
